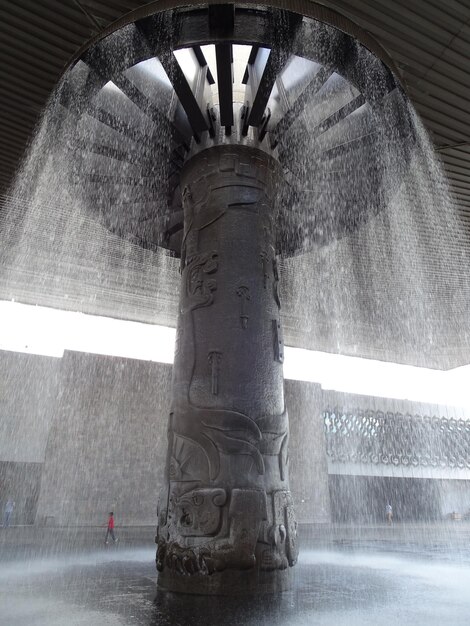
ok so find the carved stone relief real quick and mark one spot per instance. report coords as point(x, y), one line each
point(264, 265)
point(226, 505)
point(217, 431)
point(278, 341)
point(237, 532)
point(244, 294)
point(276, 283)
point(199, 285)
point(214, 358)
point(278, 536)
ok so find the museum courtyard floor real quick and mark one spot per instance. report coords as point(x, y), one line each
point(406, 574)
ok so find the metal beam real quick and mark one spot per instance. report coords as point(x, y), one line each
point(117, 124)
point(262, 81)
point(147, 107)
point(223, 53)
point(302, 101)
point(196, 116)
point(221, 27)
point(339, 115)
point(203, 63)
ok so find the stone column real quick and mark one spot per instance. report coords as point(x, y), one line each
point(226, 521)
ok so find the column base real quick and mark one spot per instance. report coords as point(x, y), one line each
point(227, 583)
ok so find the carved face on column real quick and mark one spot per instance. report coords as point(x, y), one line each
point(199, 512)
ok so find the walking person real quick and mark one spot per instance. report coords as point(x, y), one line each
point(9, 507)
point(110, 529)
point(389, 513)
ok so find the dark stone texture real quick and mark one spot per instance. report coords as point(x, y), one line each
point(226, 507)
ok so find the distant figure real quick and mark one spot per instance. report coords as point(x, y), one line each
point(110, 529)
point(389, 513)
point(9, 506)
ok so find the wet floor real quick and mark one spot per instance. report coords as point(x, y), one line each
point(116, 586)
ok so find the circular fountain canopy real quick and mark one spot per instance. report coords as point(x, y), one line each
point(142, 101)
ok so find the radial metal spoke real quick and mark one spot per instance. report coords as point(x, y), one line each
point(306, 97)
point(261, 82)
point(117, 179)
point(113, 199)
point(347, 146)
point(202, 62)
point(333, 119)
point(338, 116)
point(223, 53)
point(191, 106)
point(107, 151)
point(147, 107)
point(111, 120)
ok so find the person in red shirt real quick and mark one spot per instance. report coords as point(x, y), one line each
point(110, 529)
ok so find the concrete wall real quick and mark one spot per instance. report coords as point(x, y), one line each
point(307, 452)
point(28, 393)
point(92, 431)
point(21, 483)
point(455, 496)
point(362, 499)
point(88, 433)
point(107, 445)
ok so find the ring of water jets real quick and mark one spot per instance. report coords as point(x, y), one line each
point(142, 100)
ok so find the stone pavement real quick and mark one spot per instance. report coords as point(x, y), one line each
point(411, 576)
point(33, 541)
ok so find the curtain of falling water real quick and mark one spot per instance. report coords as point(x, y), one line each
point(93, 418)
point(396, 289)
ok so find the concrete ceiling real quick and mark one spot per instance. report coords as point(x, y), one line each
point(429, 41)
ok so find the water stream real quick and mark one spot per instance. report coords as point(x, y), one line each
point(392, 284)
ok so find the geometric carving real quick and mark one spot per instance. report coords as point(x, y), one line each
point(278, 341)
point(181, 455)
point(214, 358)
point(199, 512)
point(276, 283)
point(244, 294)
point(395, 439)
point(199, 287)
point(275, 431)
point(285, 520)
point(218, 430)
point(264, 263)
point(255, 527)
point(278, 547)
point(232, 548)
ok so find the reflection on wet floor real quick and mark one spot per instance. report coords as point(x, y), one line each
point(331, 587)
